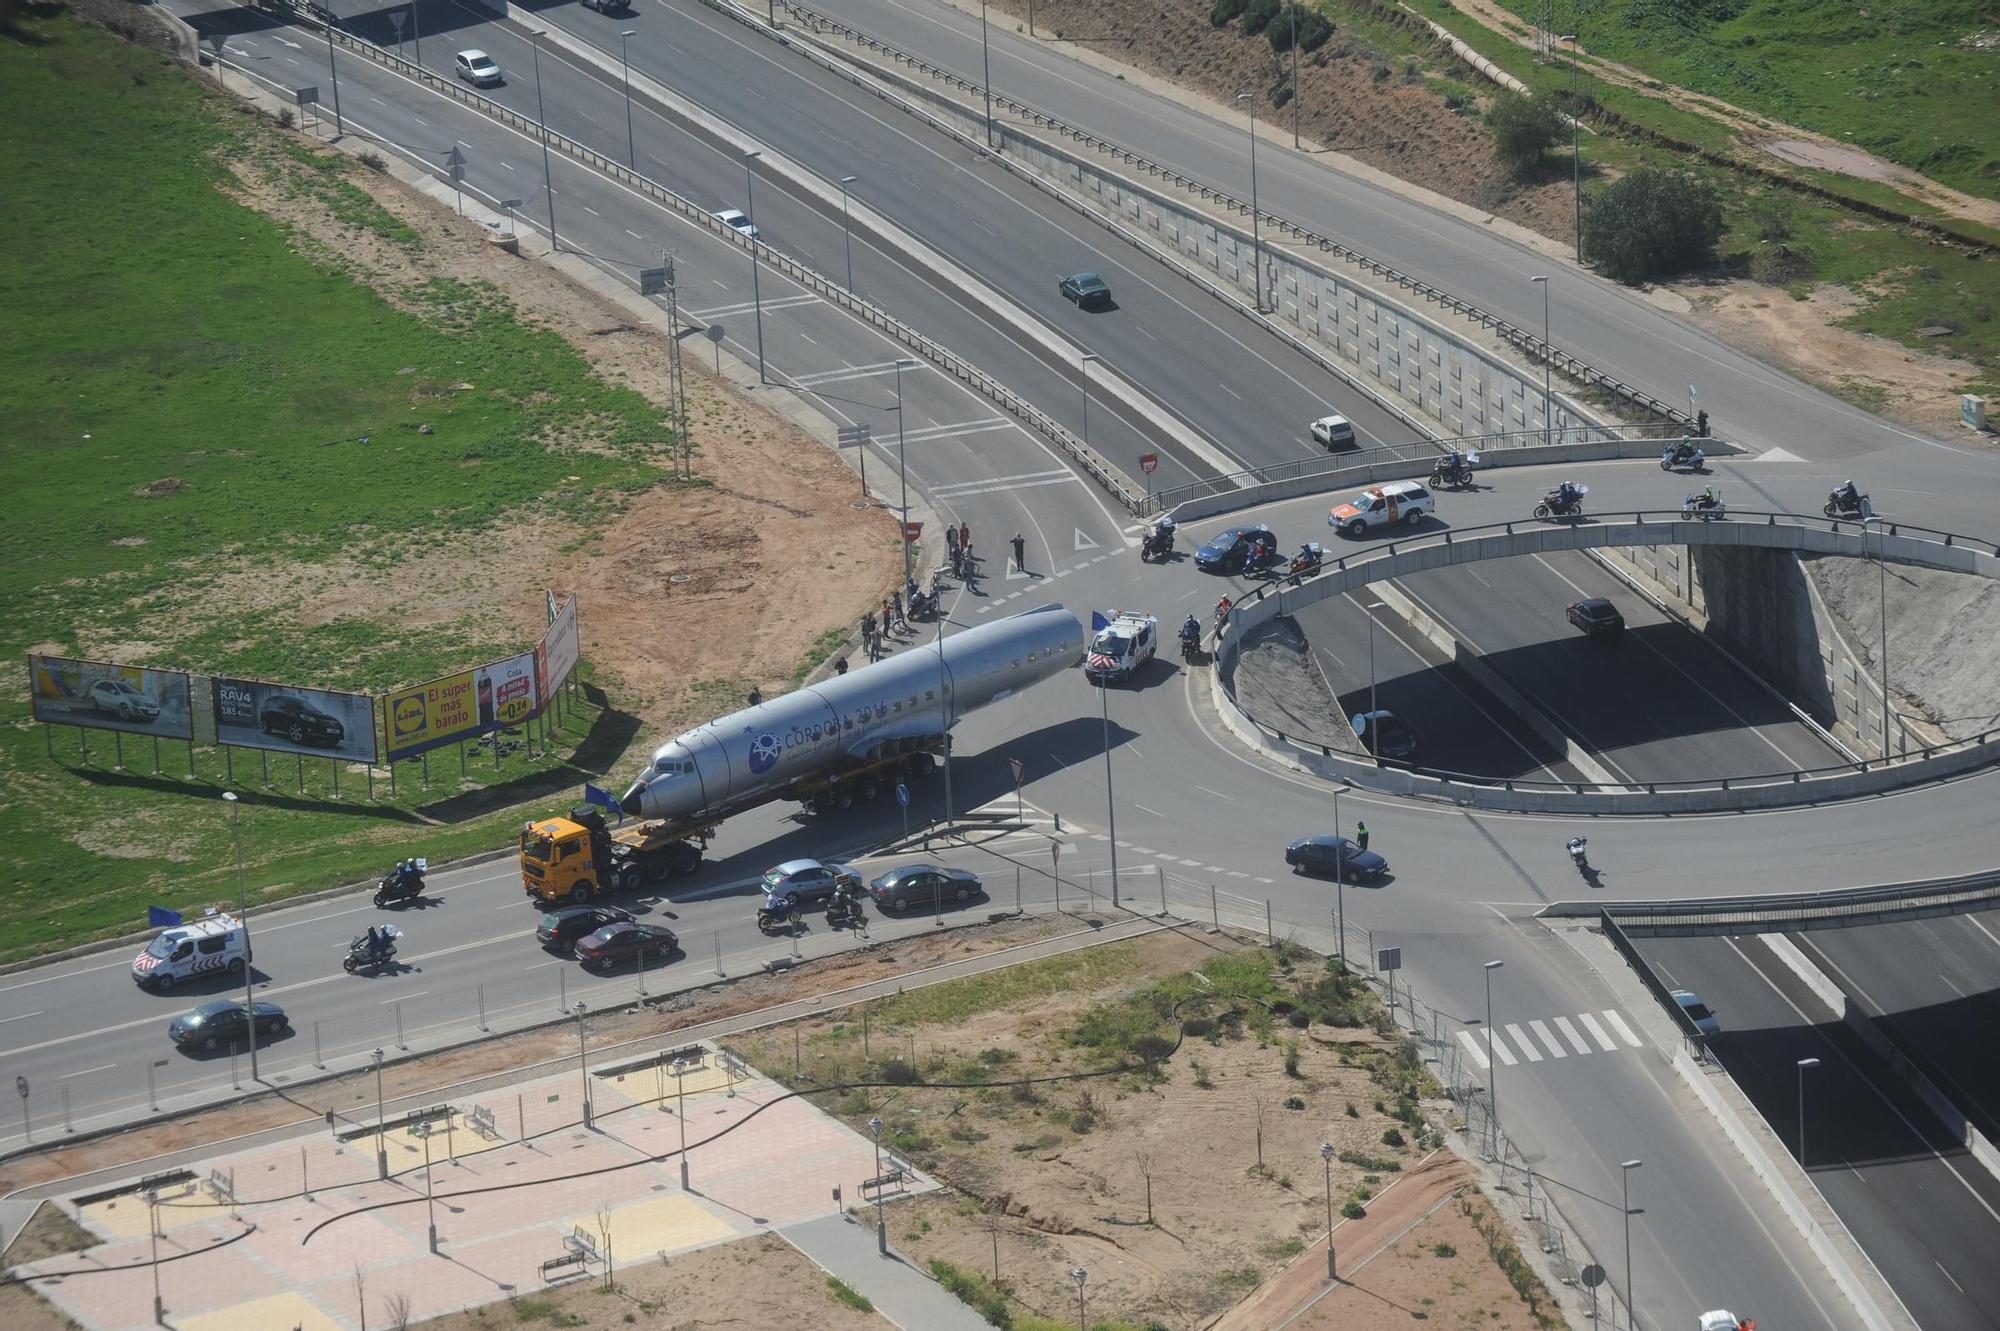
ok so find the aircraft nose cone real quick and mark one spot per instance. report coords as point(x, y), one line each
point(634, 802)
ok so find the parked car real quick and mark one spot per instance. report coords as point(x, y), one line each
point(224, 1022)
point(1228, 551)
point(916, 886)
point(739, 219)
point(627, 940)
point(477, 68)
point(1697, 1012)
point(1596, 617)
point(1326, 853)
point(1086, 289)
point(807, 882)
point(1385, 734)
point(1331, 432)
point(606, 6)
point(558, 930)
point(123, 700)
point(299, 721)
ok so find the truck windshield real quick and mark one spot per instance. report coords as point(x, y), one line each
point(1110, 646)
point(161, 947)
point(536, 847)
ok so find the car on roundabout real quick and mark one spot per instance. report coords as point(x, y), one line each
point(1382, 505)
point(225, 1021)
point(1326, 853)
point(806, 882)
point(910, 886)
point(559, 930)
point(1229, 550)
point(628, 940)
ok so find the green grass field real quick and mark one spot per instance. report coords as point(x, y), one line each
point(156, 329)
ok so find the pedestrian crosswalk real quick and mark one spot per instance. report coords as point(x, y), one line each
point(1512, 1043)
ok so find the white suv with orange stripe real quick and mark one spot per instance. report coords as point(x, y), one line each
point(1396, 501)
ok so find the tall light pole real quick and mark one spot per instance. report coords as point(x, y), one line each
point(243, 917)
point(1340, 881)
point(756, 297)
point(846, 231)
point(334, 70)
point(625, 64)
point(680, 1112)
point(1804, 1063)
point(903, 469)
point(986, 72)
point(1625, 1169)
point(417, 31)
point(153, 1230)
point(1088, 357)
point(1372, 607)
point(542, 131)
point(583, 1061)
point(1294, 7)
point(1256, 222)
point(423, 1130)
point(1110, 800)
point(381, 1150)
point(1548, 362)
point(1326, 1158)
point(1079, 1276)
point(881, 1225)
point(1492, 1087)
point(1575, 157)
point(1881, 656)
point(944, 696)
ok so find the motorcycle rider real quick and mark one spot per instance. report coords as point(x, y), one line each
point(1565, 495)
point(1847, 496)
point(1222, 609)
point(1190, 630)
point(375, 944)
point(1707, 498)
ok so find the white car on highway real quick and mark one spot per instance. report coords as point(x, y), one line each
point(737, 218)
point(476, 68)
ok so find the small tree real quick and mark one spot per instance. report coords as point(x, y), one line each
point(1653, 223)
point(398, 1307)
point(1524, 129)
point(1313, 28)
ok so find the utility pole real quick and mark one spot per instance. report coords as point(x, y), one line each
point(243, 917)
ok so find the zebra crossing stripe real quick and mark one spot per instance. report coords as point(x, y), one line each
point(1624, 1031)
point(1569, 1033)
point(1597, 1032)
point(1548, 1038)
point(1472, 1048)
point(1527, 1045)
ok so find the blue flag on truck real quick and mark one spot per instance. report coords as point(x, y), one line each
point(159, 917)
point(602, 798)
point(1098, 621)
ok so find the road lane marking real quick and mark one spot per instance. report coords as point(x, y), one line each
point(22, 1016)
point(1218, 794)
point(1472, 1048)
point(1597, 1033)
point(86, 1072)
point(1618, 1024)
point(1548, 1038)
point(1527, 1045)
point(400, 997)
point(1569, 1033)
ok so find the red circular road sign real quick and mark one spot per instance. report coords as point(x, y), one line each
point(1149, 463)
point(912, 530)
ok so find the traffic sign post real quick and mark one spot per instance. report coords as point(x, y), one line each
point(1020, 813)
point(1149, 463)
point(21, 1085)
point(1389, 960)
point(903, 798)
point(856, 436)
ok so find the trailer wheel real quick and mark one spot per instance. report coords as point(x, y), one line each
point(579, 894)
point(684, 858)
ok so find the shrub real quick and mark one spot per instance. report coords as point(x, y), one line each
point(1353, 1210)
point(1313, 29)
point(1780, 265)
point(1393, 1137)
point(1152, 1048)
point(1444, 1250)
point(974, 1290)
point(287, 117)
point(1652, 223)
point(1294, 1102)
point(848, 1295)
point(1524, 129)
point(1291, 1058)
point(899, 1073)
point(1257, 14)
point(1225, 10)
point(1198, 1027)
point(373, 161)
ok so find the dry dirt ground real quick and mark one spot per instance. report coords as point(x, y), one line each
point(356, 1094)
point(687, 590)
point(1041, 1179)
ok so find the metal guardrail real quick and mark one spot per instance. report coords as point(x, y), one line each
point(1523, 340)
point(1778, 912)
point(986, 385)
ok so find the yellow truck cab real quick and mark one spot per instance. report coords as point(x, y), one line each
point(579, 857)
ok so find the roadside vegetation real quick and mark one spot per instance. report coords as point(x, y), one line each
point(206, 412)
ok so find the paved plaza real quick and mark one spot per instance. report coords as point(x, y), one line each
point(272, 1239)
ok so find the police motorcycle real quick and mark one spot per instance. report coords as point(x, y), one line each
point(1455, 470)
point(1307, 561)
point(918, 604)
point(775, 917)
point(372, 952)
point(1190, 638)
point(1687, 453)
point(1575, 847)
point(843, 909)
point(1159, 542)
point(1565, 501)
point(1847, 502)
point(404, 882)
point(1706, 506)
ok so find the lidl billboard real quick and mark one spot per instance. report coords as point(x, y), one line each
point(459, 707)
point(70, 692)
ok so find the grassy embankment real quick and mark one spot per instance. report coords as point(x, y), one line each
point(159, 330)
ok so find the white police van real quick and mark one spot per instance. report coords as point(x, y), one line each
point(212, 945)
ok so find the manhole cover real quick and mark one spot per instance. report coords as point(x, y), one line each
point(859, 503)
point(680, 577)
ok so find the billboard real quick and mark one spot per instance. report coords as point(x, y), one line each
point(318, 723)
point(69, 692)
point(556, 657)
point(460, 707)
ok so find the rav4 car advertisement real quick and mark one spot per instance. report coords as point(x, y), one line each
point(69, 692)
point(318, 723)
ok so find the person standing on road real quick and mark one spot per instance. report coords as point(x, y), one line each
point(888, 615)
point(840, 666)
point(965, 539)
point(1361, 835)
point(1020, 545)
point(951, 546)
point(896, 604)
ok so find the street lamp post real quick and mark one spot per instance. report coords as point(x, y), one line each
point(625, 64)
point(1548, 362)
point(1372, 607)
point(881, 1225)
point(1295, 72)
point(1575, 158)
point(583, 1061)
point(903, 467)
point(1079, 1276)
point(680, 1112)
point(1339, 883)
point(153, 1230)
point(333, 69)
point(243, 917)
point(756, 295)
point(986, 72)
point(1256, 222)
point(542, 131)
point(1881, 656)
point(1326, 1158)
point(1804, 1063)
point(1110, 801)
point(944, 702)
point(381, 1150)
point(1088, 357)
point(846, 231)
point(417, 31)
point(423, 1131)
point(1625, 1169)
point(1492, 1087)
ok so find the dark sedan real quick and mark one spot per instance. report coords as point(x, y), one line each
point(1229, 550)
point(1087, 290)
point(625, 941)
point(923, 885)
point(559, 929)
point(1596, 618)
point(224, 1022)
point(299, 721)
point(1326, 853)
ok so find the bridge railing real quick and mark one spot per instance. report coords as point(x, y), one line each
point(1783, 912)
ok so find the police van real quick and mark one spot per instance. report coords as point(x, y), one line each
point(212, 945)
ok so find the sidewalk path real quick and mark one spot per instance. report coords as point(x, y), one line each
point(899, 1291)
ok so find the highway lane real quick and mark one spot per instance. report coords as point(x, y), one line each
point(1916, 1201)
point(1453, 247)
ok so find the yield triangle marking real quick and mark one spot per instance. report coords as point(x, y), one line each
point(1084, 542)
point(1779, 455)
point(1014, 573)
